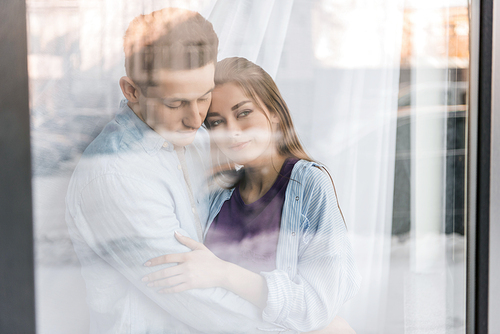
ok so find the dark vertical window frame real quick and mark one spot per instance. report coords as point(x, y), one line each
point(483, 166)
point(17, 301)
point(479, 145)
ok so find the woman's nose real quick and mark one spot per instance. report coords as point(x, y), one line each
point(233, 130)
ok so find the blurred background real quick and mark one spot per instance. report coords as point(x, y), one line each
point(378, 90)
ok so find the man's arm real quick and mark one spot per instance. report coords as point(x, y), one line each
point(127, 222)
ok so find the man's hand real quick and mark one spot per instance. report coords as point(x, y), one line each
point(197, 269)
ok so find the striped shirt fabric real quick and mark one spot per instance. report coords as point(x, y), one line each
point(316, 273)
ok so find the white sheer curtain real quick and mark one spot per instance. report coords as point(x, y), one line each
point(254, 29)
point(357, 47)
point(339, 72)
point(335, 61)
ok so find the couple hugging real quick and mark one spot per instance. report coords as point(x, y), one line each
point(196, 210)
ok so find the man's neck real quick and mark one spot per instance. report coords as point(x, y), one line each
point(136, 109)
point(180, 150)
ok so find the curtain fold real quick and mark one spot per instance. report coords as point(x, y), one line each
point(254, 30)
point(336, 63)
point(343, 97)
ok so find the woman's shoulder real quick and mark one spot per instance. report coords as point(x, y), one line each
point(315, 193)
point(311, 173)
point(219, 194)
point(217, 191)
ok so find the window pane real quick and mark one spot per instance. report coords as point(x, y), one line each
point(429, 192)
point(378, 93)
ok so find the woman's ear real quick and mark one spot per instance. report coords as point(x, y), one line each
point(129, 89)
point(274, 118)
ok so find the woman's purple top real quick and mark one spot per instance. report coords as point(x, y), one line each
point(247, 234)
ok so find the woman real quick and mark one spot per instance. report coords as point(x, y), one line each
point(277, 236)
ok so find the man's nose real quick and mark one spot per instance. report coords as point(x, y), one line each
point(192, 117)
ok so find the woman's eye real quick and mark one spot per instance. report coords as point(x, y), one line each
point(244, 113)
point(215, 123)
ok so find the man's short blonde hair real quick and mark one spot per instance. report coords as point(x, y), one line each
point(170, 38)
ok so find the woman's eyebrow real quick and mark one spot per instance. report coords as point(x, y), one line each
point(209, 114)
point(237, 105)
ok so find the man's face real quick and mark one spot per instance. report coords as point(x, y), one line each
point(177, 107)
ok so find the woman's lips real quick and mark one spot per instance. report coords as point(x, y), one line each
point(239, 146)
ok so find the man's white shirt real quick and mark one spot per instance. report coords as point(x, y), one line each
point(126, 198)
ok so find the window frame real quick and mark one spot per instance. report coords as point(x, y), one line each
point(478, 165)
point(17, 288)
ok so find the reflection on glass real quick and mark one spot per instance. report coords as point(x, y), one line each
point(429, 192)
point(377, 91)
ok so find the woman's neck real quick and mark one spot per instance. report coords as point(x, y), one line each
point(260, 177)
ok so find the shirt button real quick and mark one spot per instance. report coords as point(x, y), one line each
point(179, 167)
point(165, 144)
point(297, 198)
point(193, 209)
point(293, 234)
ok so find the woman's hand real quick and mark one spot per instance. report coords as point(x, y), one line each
point(199, 268)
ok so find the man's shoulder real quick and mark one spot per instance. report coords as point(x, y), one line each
point(115, 138)
point(116, 150)
point(122, 135)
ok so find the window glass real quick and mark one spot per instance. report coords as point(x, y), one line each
point(378, 93)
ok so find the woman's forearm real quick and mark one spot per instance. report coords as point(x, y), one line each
point(245, 283)
point(200, 269)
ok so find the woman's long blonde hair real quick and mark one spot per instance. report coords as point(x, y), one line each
point(258, 85)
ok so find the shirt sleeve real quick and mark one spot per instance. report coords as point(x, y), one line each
point(126, 222)
point(326, 273)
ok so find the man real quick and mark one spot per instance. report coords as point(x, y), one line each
point(143, 178)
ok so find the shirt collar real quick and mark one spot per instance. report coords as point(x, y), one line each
point(149, 139)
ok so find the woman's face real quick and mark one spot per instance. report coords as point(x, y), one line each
point(241, 130)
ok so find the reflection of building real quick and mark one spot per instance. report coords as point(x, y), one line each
point(450, 29)
point(75, 59)
point(436, 44)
